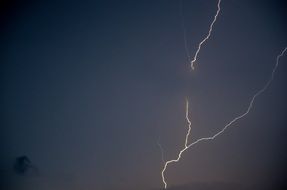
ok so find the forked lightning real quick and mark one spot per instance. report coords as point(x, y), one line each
point(225, 127)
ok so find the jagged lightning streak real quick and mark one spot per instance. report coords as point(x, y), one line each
point(226, 126)
point(185, 144)
point(207, 37)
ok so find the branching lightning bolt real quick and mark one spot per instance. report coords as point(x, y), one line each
point(207, 37)
point(259, 92)
point(185, 144)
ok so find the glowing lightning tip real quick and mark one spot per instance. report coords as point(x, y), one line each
point(192, 66)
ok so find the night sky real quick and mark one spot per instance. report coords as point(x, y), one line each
point(88, 89)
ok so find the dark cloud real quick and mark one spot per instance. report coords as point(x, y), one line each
point(22, 165)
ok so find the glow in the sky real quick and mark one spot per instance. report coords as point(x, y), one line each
point(260, 91)
point(206, 38)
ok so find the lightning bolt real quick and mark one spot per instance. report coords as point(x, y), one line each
point(259, 92)
point(207, 37)
point(185, 144)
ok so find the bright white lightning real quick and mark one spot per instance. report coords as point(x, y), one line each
point(207, 37)
point(185, 144)
point(226, 126)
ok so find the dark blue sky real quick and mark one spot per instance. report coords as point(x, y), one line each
point(88, 88)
